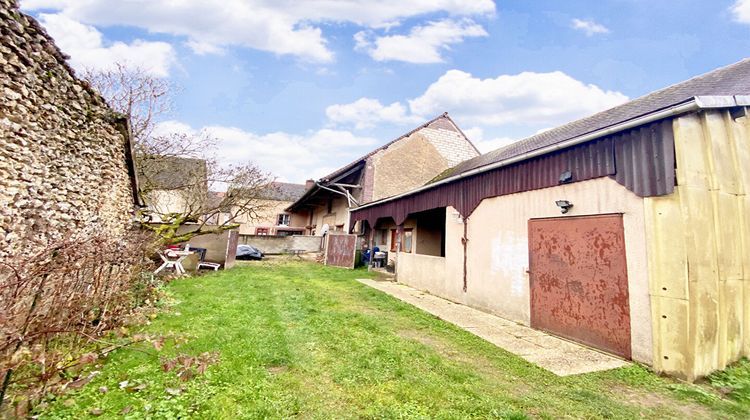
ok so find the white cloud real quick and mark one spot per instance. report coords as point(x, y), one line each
point(589, 27)
point(87, 49)
point(423, 44)
point(281, 27)
point(476, 135)
point(366, 113)
point(291, 157)
point(527, 101)
point(528, 98)
point(741, 11)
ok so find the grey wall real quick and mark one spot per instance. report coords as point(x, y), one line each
point(280, 244)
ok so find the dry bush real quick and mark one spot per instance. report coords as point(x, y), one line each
point(58, 304)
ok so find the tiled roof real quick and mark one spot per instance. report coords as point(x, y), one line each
point(730, 80)
point(283, 191)
point(170, 172)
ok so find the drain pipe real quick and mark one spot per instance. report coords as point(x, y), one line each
point(348, 196)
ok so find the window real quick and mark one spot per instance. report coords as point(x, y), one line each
point(407, 240)
point(282, 220)
point(330, 206)
point(261, 231)
point(381, 237)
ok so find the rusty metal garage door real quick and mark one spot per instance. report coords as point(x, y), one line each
point(340, 250)
point(579, 282)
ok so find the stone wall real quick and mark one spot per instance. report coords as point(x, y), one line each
point(65, 159)
point(406, 165)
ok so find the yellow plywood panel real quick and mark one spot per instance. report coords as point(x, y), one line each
point(741, 143)
point(728, 222)
point(730, 321)
point(720, 152)
point(704, 327)
point(671, 345)
point(744, 234)
point(746, 318)
point(700, 233)
point(745, 239)
point(690, 148)
point(665, 232)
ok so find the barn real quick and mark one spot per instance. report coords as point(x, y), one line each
point(627, 231)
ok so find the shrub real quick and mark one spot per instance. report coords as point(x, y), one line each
point(56, 303)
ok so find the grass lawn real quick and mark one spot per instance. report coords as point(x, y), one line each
point(299, 339)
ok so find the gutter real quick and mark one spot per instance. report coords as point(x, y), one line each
point(696, 103)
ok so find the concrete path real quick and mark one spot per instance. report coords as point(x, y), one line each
point(559, 356)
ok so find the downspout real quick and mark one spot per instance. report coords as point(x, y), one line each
point(465, 242)
point(346, 194)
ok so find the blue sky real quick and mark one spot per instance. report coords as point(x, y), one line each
point(302, 87)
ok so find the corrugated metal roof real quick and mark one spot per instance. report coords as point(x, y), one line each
point(730, 80)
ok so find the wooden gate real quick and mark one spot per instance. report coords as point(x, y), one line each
point(341, 250)
point(579, 282)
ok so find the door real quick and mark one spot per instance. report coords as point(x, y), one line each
point(578, 280)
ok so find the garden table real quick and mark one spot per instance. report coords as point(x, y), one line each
point(173, 259)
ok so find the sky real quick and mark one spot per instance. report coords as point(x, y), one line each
point(301, 88)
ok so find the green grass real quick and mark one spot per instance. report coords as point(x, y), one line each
point(299, 339)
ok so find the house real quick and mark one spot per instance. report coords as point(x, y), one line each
point(405, 163)
point(172, 185)
point(66, 161)
point(272, 217)
point(628, 230)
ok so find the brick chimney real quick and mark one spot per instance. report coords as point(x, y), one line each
point(309, 184)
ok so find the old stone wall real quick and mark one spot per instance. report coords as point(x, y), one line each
point(64, 155)
point(406, 165)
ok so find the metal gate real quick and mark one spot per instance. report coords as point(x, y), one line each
point(579, 282)
point(341, 250)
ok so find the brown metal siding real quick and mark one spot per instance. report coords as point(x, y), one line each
point(579, 282)
point(641, 159)
point(645, 159)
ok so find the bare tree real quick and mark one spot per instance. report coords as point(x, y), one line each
point(180, 178)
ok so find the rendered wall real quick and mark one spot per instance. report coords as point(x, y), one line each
point(498, 254)
point(700, 250)
point(268, 215)
point(423, 272)
point(280, 244)
point(339, 215)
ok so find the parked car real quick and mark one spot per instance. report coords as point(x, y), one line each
point(248, 252)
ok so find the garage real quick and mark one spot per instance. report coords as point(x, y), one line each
point(578, 280)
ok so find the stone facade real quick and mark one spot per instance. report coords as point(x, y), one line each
point(65, 157)
point(405, 165)
point(408, 162)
